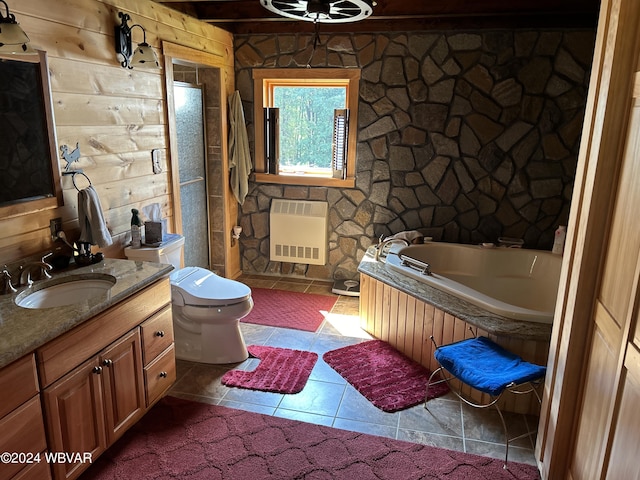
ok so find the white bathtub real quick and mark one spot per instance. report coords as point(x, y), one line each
point(515, 283)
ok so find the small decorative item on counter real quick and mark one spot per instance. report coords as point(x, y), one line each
point(558, 241)
point(136, 227)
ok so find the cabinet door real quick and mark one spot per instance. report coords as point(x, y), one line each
point(123, 383)
point(75, 416)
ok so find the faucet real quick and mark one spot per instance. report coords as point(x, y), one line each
point(7, 286)
point(382, 243)
point(25, 270)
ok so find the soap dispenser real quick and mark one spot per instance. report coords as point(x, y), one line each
point(136, 225)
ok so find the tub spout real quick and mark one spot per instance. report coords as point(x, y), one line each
point(380, 246)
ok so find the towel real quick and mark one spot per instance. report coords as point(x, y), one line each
point(239, 155)
point(411, 236)
point(485, 365)
point(93, 228)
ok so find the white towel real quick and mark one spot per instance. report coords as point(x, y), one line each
point(239, 156)
point(411, 236)
point(93, 228)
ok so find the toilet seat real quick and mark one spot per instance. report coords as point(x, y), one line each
point(196, 286)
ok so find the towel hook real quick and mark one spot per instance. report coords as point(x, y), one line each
point(73, 174)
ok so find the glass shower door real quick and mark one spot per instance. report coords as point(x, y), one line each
point(192, 173)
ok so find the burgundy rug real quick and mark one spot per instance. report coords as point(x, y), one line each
point(280, 308)
point(280, 370)
point(180, 439)
point(383, 375)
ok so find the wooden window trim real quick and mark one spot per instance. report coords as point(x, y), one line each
point(263, 82)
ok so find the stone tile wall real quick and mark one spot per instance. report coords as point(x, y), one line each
point(464, 136)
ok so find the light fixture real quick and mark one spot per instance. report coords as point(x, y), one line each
point(12, 37)
point(323, 11)
point(143, 54)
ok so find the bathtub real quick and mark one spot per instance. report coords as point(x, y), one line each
point(512, 282)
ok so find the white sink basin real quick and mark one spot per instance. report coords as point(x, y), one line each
point(58, 292)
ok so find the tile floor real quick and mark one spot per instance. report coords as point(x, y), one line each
point(328, 400)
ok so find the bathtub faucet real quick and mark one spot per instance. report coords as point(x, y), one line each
point(383, 243)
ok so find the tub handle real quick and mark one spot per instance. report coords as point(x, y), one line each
point(423, 267)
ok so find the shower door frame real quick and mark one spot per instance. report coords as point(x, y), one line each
point(180, 54)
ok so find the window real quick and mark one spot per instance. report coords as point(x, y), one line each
point(306, 120)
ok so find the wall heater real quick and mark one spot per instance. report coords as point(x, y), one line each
point(298, 231)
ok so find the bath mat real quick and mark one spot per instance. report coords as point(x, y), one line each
point(182, 439)
point(280, 370)
point(383, 375)
point(280, 308)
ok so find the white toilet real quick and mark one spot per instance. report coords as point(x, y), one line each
point(206, 307)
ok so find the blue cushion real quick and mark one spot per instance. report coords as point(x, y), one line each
point(486, 366)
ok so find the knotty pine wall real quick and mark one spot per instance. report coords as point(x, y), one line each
point(117, 115)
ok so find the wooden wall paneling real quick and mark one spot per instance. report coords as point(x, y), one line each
point(80, 109)
point(428, 330)
point(409, 331)
point(403, 303)
point(396, 316)
point(117, 115)
point(73, 76)
point(419, 333)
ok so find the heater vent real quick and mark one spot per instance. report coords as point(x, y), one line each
point(298, 231)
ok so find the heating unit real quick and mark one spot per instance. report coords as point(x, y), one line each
point(298, 231)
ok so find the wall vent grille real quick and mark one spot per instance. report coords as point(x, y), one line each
point(298, 231)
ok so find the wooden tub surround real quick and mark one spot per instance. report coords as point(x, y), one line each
point(406, 313)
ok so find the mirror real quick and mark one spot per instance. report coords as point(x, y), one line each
point(29, 171)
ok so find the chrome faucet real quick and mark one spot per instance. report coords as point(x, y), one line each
point(382, 243)
point(7, 286)
point(25, 270)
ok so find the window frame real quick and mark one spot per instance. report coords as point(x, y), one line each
point(264, 79)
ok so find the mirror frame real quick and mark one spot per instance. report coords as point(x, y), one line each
point(21, 207)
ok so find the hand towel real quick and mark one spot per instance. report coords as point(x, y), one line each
point(239, 156)
point(93, 228)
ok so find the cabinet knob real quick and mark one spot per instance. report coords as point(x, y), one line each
point(163, 374)
point(97, 370)
point(107, 362)
point(160, 333)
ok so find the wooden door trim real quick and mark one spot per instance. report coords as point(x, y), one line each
point(601, 151)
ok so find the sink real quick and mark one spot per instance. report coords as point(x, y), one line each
point(59, 292)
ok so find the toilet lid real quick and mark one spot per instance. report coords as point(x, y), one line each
point(201, 287)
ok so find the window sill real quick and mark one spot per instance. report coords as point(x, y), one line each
point(305, 180)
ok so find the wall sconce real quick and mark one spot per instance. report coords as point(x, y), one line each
point(12, 37)
point(143, 55)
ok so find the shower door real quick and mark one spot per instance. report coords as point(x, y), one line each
point(192, 173)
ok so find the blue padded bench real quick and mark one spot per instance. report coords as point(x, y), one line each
point(485, 366)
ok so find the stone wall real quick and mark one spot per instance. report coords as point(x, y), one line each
point(464, 136)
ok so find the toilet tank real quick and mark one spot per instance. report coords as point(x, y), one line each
point(169, 251)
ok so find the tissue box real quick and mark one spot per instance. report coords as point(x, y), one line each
point(153, 232)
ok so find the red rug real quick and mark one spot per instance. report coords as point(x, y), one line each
point(383, 375)
point(280, 308)
point(280, 370)
point(180, 439)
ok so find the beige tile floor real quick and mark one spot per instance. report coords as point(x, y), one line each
point(328, 400)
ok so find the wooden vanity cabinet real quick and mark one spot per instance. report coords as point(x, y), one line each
point(92, 404)
point(21, 423)
point(91, 407)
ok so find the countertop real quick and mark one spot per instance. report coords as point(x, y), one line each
point(22, 330)
point(490, 322)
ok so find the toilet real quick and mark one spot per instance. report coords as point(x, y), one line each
point(206, 308)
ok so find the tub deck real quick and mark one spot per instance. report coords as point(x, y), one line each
point(405, 313)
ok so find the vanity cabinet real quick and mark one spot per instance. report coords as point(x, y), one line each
point(100, 378)
point(21, 423)
point(90, 407)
